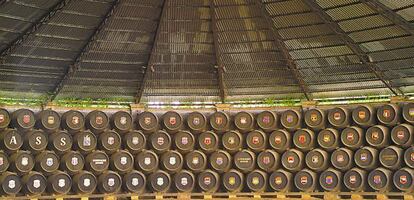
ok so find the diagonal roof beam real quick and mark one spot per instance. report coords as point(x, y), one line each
point(75, 65)
point(33, 28)
point(390, 15)
point(150, 66)
point(219, 64)
point(363, 57)
point(285, 51)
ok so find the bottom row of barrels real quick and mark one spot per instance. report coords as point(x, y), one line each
point(356, 179)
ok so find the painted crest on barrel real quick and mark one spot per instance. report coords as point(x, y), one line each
point(61, 182)
point(386, 113)
point(147, 160)
point(219, 120)
point(111, 182)
point(278, 139)
point(160, 181)
point(412, 157)
point(232, 180)
point(207, 180)
point(364, 156)
point(135, 140)
point(362, 114)
point(303, 180)
point(337, 116)
point(266, 119)
point(86, 182)
point(314, 117)
point(173, 120)
point(340, 158)
point(123, 120)
point(12, 184)
point(403, 179)
point(173, 161)
point(2, 118)
point(111, 140)
point(255, 140)
point(278, 180)
point(329, 180)
point(411, 112)
point(99, 120)
point(219, 161)
point(50, 120)
point(184, 140)
point(255, 181)
point(184, 181)
point(266, 160)
point(75, 120)
point(377, 179)
point(36, 183)
point(289, 118)
point(25, 161)
point(1, 161)
point(74, 161)
point(326, 138)
point(291, 159)
point(350, 136)
point(231, 140)
point(315, 159)
point(375, 136)
point(26, 119)
point(400, 135)
point(302, 139)
point(147, 120)
point(160, 140)
point(352, 179)
point(207, 141)
point(243, 120)
point(195, 160)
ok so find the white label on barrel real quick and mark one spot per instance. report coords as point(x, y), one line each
point(123, 120)
point(25, 161)
point(377, 179)
point(207, 180)
point(364, 156)
point(147, 160)
point(147, 120)
point(160, 181)
point(303, 179)
point(49, 162)
point(184, 181)
point(243, 120)
point(87, 140)
point(135, 140)
point(352, 179)
point(36, 183)
point(340, 158)
point(12, 184)
point(160, 140)
point(196, 121)
point(111, 140)
point(184, 140)
point(403, 179)
point(111, 182)
point(195, 160)
point(75, 120)
point(124, 160)
point(173, 161)
point(50, 120)
point(1, 160)
point(26, 119)
point(61, 183)
point(86, 182)
point(74, 161)
point(278, 180)
point(135, 181)
point(173, 120)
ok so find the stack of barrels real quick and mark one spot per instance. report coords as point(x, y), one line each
point(351, 148)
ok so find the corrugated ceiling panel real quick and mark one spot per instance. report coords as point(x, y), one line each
point(336, 3)
point(351, 11)
point(363, 23)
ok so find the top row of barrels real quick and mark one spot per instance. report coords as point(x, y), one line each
point(121, 121)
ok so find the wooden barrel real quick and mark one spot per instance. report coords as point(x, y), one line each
point(48, 120)
point(172, 161)
point(146, 162)
point(352, 137)
point(84, 182)
point(391, 157)
point(121, 122)
point(256, 181)
point(339, 117)
point(408, 113)
point(220, 121)
point(220, 161)
point(184, 181)
point(160, 141)
point(378, 136)
point(389, 114)
point(21, 162)
point(73, 121)
point(364, 116)
point(34, 183)
point(244, 121)
point(280, 140)
point(97, 121)
point(244, 161)
point(293, 160)
point(402, 135)
point(196, 161)
point(409, 157)
point(4, 119)
point(328, 139)
point(109, 182)
point(10, 140)
point(47, 162)
point(315, 119)
point(134, 182)
point(268, 160)
point(233, 181)
point(355, 180)
point(122, 162)
point(331, 180)
point(148, 122)
point(59, 183)
point(23, 119)
point(281, 181)
point(232, 141)
point(342, 159)
point(10, 184)
point(291, 119)
point(85, 142)
point(172, 121)
point(72, 162)
point(97, 162)
point(109, 141)
point(208, 181)
point(306, 180)
point(159, 181)
point(134, 141)
point(380, 180)
point(197, 122)
point(317, 160)
point(184, 141)
point(4, 162)
point(35, 141)
point(256, 141)
point(366, 158)
point(267, 121)
point(403, 179)
point(60, 142)
point(304, 139)
point(208, 142)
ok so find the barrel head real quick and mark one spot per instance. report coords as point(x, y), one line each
point(184, 181)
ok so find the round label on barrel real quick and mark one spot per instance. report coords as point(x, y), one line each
point(110, 141)
point(196, 161)
point(400, 135)
point(363, 158)
point(244, 160)
point(50, 119)
point(12, 140)
point(403, 180)
point(386, 114)
point(97, 120)
point(86, 182)
point(353, 180)
point(303, 139)
point(25, 119)
point(290, 119)
point(219, 121)
point(291, 160)
point(377, 180)
point(208, 141)
point(4, 118)
point(36, 183)
point(327, 139)
point(74, 120)
point(147, 161)
point(389, 157)
point(408, 112)
point(4, 162)
point(122, 121)
point(266, 120)
point(279, 140)
point(207, 181)
point(268, 161)
point(337, 117)
point(341, 159)
point(134, 141)
point(314, 118)
point(123, 161)
point(184, 181)
point(98, 161)
point(111, 182)
point(256, 181)
point(329, 180)
point(232, 181)
point(409, 157)
point(148, 121)
point(315, 160)
point(61, 183)
point(304, 181)
point(161, 141)
point(196, 121)
point(256, 140)
point(278, 181)
point(24, 162)
point(73, 161)
point(220, 161)
point(62, 142)
point(37, 140)
point(49, 162)
point(86, 141)
point(134, 181)
point(243, 121)
point(11, 184)
point(375, 136)
point(160, 182)
point(361, 115)
point(351, 138)
point(232, 141)
point(184, 141)
point(172, 121)
point(172, 161)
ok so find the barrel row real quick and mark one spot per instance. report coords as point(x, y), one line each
point(316, 119)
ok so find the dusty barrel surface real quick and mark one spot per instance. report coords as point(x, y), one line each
point(403, 179)
point(172, 161)
point(352, 137)
point(197, 122)
point(331, 180)
point(257, 181)
point(291, 119)
point(160, 181)
point(342, 159)
point(244, 121)
point(328, 139)
point(306, 180)
point(109, 182)
point(208, 142)
point(184, 141)
point(220, 161)
point(220, 121)
point(60, 142)
point(293, 160)
point(408, 112)
point(4, 119)
point(280, 140)
point(23, 119)
point(35, 141)
point(339, 117)
point(10, 140)
point(402, 135)
point(380, 179)
point(148, 122)
point(121, 122)
point(317, 160)
point(59, 183)
point(134, 182)
point(256, 140)
point(355, 179)
point(364, 115)
point(232, 141)
point(147, 161)
point(134, 141)
point(268, 160)
point(4, 162)
point(109, 141)
point(10, 183)
point(378, 136)
point(84, 182)
point(73, 121)
point(208, 181)
point(267, 121)
point(245, 161)
point(389, 114)
point(281, 181)
point(315, 119)
point(48, 120)
point(97, 121)
point(184, 181)
point(366, 158)
point(172, 121)
point(21, 162)
point(85, 142)
point(233, 181)
point(196, 161)
point(34, 183)
point(304, 139)
point(391, 157)
point(47, 162)
point(160, 141)
point(72, 162)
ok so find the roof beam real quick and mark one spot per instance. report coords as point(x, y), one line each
point(75, 65)
point(150, 66)
point(284, 50)
point(363, 56)
point(219, 64)
point(33, 27)
point(390, 15)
